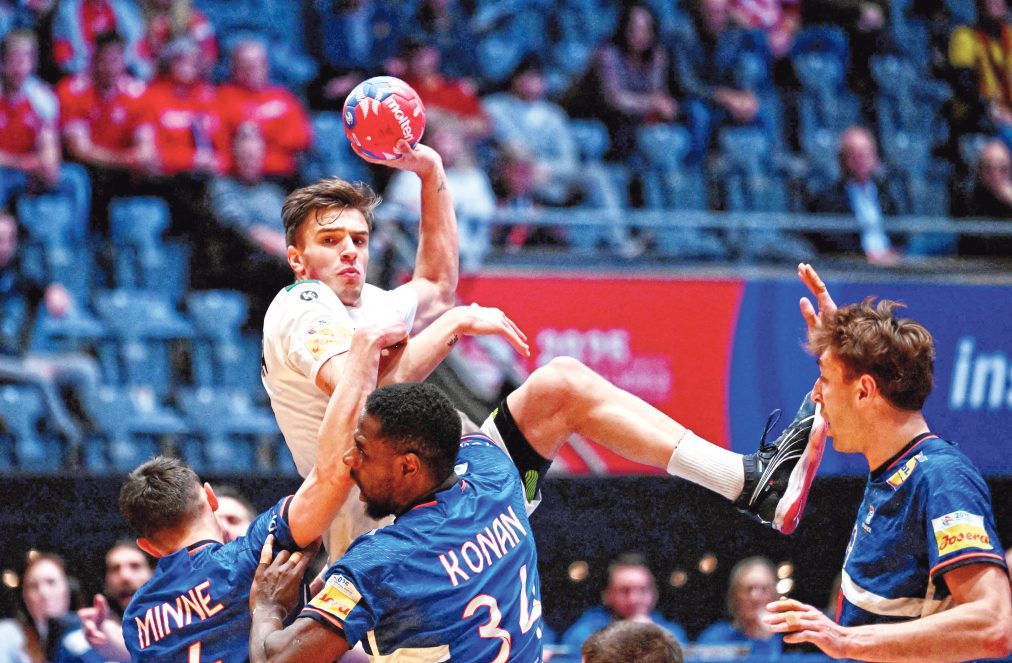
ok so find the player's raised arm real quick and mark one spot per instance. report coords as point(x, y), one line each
point(437, 263)
point(815, 285)
point(425, 351)
point(323, 492)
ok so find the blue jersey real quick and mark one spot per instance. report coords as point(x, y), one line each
point(454, 578)
point(195, 607)
point(924, 513)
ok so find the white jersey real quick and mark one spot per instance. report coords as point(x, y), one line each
point(304, 326)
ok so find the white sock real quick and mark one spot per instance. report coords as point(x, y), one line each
point(708, 465)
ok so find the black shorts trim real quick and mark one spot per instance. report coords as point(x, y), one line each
point(531, 465)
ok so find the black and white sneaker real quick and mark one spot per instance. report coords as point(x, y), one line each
point(779, 475)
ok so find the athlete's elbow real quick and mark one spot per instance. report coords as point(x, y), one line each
point(997, 638)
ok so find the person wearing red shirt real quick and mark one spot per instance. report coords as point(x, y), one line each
point(29, 145)
point(189, 134)
point(274, 111)
point(454, 96)
point(165, 20)
point(78, 22)
point(105, 124)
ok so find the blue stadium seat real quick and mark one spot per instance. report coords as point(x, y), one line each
point(591, 138)
point(22, 412)
point(51, 253)
point(222, 356)
point(77, 330)
point(141, 259)
point(231, 426)
point(331, 153)
point(144, 327)
point(132, 422)
point(663, 146)
point(826, 39)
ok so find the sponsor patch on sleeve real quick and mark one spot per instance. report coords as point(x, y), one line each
point(902, 474)
point(325, 339)
point(960, 530)
point(338, 597)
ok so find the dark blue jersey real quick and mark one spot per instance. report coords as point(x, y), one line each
point(196, 605)
point(924, 513)
point(454, 578)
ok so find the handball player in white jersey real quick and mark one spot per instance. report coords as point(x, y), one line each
point(308, 326)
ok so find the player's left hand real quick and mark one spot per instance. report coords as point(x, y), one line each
point(800, 622)
point(277, 582)
point(420, 159)
point(815, 285)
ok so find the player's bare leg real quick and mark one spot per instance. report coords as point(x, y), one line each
point(566, 397)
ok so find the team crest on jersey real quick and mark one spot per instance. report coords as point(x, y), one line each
point(902, 474)
point(326, 339)
point(866, 525)
point(338, 597)
point(960, 530)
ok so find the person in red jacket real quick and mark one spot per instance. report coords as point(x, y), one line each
point(105, 124)
point(277, 114)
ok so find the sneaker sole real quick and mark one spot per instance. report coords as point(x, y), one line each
point(792, 504)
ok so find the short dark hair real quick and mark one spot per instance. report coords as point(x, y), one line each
point(627, 559)
point(159, 495)
point(632, 641)
point(322, 195)
point(418, 417)
point(870, 340)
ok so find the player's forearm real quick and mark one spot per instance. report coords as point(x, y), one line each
point(438, 258)
point(965, 632)
point(426, 351)
point(266, 637)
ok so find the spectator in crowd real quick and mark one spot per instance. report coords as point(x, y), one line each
point(628, 81)
point(78, 22)
point(779, 20)
point(249, 98)
point(45, 629)
point(247, 207)
point(524, 116)
point(515, 188)
point(705, 67)
point(45, 371)
point(105, 123)
point(990, 197)
point(752, 585)
point(351, 39)
point(37, 16)
point(166, 20)
point(235, 512)
point(455, 97)
point(864, 192)
point(473, 198)
point(189, 132)
point(980, 57)
point(446, 25)
point(29, 144)
point(127, 568)
point(632, 641)
point(631, 594)
point(865, 23)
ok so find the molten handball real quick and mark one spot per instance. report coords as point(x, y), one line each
point(381, 111)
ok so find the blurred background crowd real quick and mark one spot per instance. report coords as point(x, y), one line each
point(146, 147)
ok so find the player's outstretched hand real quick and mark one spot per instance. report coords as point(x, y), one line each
point(482, 321)
point(800, 622)
point(420, 159)
point(277, 582)
point(811, 279)
point(103, 634)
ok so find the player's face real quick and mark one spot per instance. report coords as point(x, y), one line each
point(334, 248)
point(373, 464)
point(46, 591)
point(836, 394)
point(755, 588)
point(126, 569)
point(630, 593)
point(233, 517)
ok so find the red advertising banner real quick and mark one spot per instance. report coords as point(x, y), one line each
point(668, 342)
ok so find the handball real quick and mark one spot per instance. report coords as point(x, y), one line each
point(381, 111)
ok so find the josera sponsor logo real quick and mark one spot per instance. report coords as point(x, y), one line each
point(958, 530)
